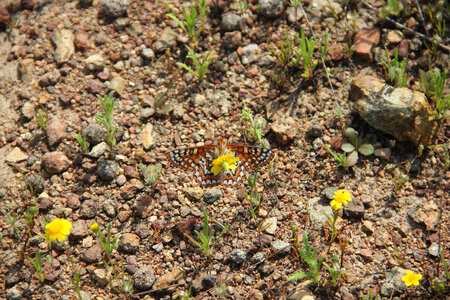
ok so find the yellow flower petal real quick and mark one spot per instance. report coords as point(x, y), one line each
point(411, 279)
point(224, 162)
point(58, 229)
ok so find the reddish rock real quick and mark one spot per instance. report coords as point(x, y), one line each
point(129, 243)
point(130, 172)
point(364, 41)
point(55, 162)
point(73, 202)
point(124, 215)
point(52, 271)
point(285, 130)
point(92, 254)
point(403, 48)
point(81, 41)
point(336, 53)
point(79, 229)
point(5, 18)
point(337, 142)
point(56, 131)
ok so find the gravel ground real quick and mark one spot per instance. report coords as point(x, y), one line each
point(57, 56)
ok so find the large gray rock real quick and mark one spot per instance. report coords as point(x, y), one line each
point(401, 112)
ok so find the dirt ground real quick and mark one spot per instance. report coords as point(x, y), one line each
point(57, 56)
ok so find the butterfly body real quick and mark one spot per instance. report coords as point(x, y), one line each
point(200, 160)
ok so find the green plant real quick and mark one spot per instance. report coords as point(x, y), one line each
point(370, 296)
point(185, 295)
point(81, 139)
point(395, 70)
point(341, 158)
point(188, 25)
point(107, 243)
point(313, 261)
point(76, 279)
point(254, 126)
point(253, 197)
point(335, 271)
point(124, 285)
point(284, 55)
point(433, 85)
point(437, 17)
point(37, 263)
point(205, 236)
point(331, 222)
point(391, 9)
point(357, 144)
point(106, 118)
point(221, 289)
point(440, 283)
point(303, 55)
point(41, 115)
point(150, 173)
point(243, 5)
point(399, 180)
point(200, 68)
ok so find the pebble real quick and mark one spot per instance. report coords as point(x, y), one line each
point(237, 256)
point(14, 293)
point(95, 86)
point(194, 193)
point(231, 22)
point(294, 16)
point(315, 131)
point(114, 8)
point(107, 169)
point(81, 41)
point(167, 39)
point(37, 182)
point(144, 278)
point(147, 136)
point(281, 247)
point(231, 41)
point(79, 229)
point(129, 243)
point(175, 276)
point(98, 150)
point(25, 69)
point(270, 225)
point(117, 84)
point(95, 134)
point(88, 209)
point(384, 153)
point(394, 36)
point(285, 130)
point(93, 254)
point(55, 162)
point(95, 62)
point(250, 53)
point(147, 53)
point(354, 209)
point(317, 207)
point(270, 8)
point(56, 131)
point(364, 41)
point(50, 78)
point(65, 47)
point(109, 208)
point(101, 276)
point(16, 155)
point(212, 196)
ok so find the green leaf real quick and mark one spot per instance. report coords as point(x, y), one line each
point(348, 147)
point(366, 149)
point(352, 158)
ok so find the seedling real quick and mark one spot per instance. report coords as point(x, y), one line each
point(391, 9)
point(313, 261)
point(205, 236)
point(106, 118)
point(433, 85)
point(303, 55)
point(284, 55)
point(254, 126)
point(151, 173)
point(41, 115)
point(37, 263)
point(399, 180)
point(341, 158)
point(107, 243)
point(188, 25)
point(200, 68)
point(335, 271)
point(81, 139)
point(357, 144)
point(76, 279)
point(395, 70)
point(253, 197)
point(122, 285)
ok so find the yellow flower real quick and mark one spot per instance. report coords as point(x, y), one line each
point(225, 162)
point(339, 198)
point(94, 227)
point(58, 229)
point(411, 278)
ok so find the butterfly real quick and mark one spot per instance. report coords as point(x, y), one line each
point(200, 160)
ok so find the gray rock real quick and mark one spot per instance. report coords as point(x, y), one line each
point(95, 134)
point(50, 78)
point(129, 243)
point(401, 112)
point(176, 275)
point(209, 281)
point(250, 53)
point(258, 257)
point(212, 196)
point(167, 39)
point(28, 110)
point(88, 209)
point(426, 214)
point(56, 131)
point(294, 16)
point(147, 53)
point(302, 293)
point(354, 209)
point(324, 8)
point(13, 276)
point(36, 182)
point(65, 47)
point(13, 294)
point(144, 278)
point(177, 111)
point(270, 225)
point(148, 112)
point(231, 22)
point(285, 129)
point(101, 276)
point(281, 247)
point(270, 8)
point(384, 153)
point(107, 169)
point(55, 162)
point(237, 256)
point(434, 250)
point(315, 131)
point(114, 8)
point(95, 62)
point(79, 229)
point(393, 284)
point(109, 207)
point(317, 208)
point(117, 84)
point(198, 100)
point(25, 69)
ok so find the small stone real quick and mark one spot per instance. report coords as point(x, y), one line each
point(394, 36)
point(285, 130)
point(98, 150)
point(354, 209)
point(198, 100)
point(95, 134)
point(13, 293)
point(147, 136)
point(366, 254)
point(314, 131)
point(107, 169)
point(65, 48)
point(95, 62)
point(79, 229)
point(317, 207)
point(403, 48)
point(81, 41)
point(56, 131)
point(37, 182)
point(52, 271)
point(293, 15)
point(282, 248)
point(434, 250)
point(109, 207)
point(195, 193)
point(231, 22)
point(5, 18)
point(28, 110)
point(50, 78)
point(101, 276)
point(175, 276)
point(93, 254)
point(147, 112)
point(237, 256)
point(270, 8)
point(250, 53)
point(144, 278)
point(384, 153)
point(95, 86)
point(167, 39)
point(232, 40)
point(301, 294)
point(367, 227)
point(147, 53)
point(129, 243)
point(212, 196)
point(114, 8)
point(393, 284)
point(25, 69)
point(121, 180)
point(88, 209)
point(117, 84)
point(426, 214)
point(16, 155)
point(55, 162)
point(270, 225)
point(364, 41)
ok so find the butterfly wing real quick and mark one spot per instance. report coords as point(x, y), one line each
point(235, 177)
point(202, 171)
point(188, 158)
point(251, 157)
